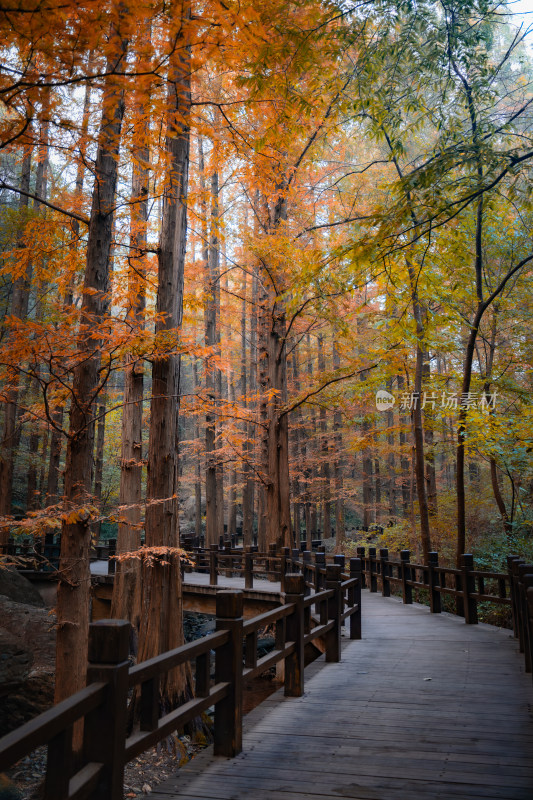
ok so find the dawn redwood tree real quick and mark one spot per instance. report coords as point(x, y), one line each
point(161, 612)
point(74, 577)
point(126, 587)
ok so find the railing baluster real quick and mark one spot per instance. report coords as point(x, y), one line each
point(361, 556)
point(469, 588)
point(405, 570)
point(334, 611)
point(294, 664)
point(384, 563)
point(228, 668)
point(59, 766)
point(433, 581)
point(372, 566)
point(355, 598)
point(104, 732)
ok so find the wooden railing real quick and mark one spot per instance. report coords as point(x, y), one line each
point(521, 577)
point(43, 554)
point(103, 705)
point(467, 586)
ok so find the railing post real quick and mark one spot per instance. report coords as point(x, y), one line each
point(407, 589)
point(469, 588)
point(529, 610)
point(341, 561)
point(333, 637)
point(320, 563)
point(306, 568)
point(104, 732)
point(525, 579)
point(294, 632)
point(111, 553)
point(248, 569)
point(213, 565)
point(384, 559)
point(512, 592)
point(272, 554)
point(355, 598)
point(228, 668)
point(372, 580)
point(361, 556)
point(433, 582)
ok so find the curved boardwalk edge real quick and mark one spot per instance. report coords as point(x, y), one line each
point(422, 708)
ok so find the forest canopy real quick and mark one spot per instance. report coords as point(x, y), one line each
point(265, 267)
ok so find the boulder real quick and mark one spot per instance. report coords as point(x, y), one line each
point(15, 662)
point(32, 627)
point(18, 588)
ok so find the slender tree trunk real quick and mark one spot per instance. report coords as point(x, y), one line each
point(126, 587)
point(198, 465)
point(74, 577)
point(248, 485)
point(161, 604)
point(19, 310)
point(324, 447)
point(340, 527)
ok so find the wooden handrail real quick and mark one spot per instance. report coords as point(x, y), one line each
point(103, 703)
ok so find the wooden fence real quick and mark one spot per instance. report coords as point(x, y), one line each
point(467, 585)
point(103, 705)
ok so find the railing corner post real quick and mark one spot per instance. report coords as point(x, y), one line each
point(295, 663)
point(228, 669)
point(104, 732)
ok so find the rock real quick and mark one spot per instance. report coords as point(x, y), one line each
point(27, 662)
point(32, 627)
point(265, 645)
point(18, 588)
point(15, 662)
point(27, 701)
point(8, 791)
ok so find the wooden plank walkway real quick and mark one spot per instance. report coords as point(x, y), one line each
point(423, 708)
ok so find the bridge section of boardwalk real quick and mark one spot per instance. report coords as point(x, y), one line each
point(424, 707)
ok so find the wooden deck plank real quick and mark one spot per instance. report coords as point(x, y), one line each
point(373, 728)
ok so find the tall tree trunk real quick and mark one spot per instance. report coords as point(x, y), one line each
point(391, 458)
point(324, 447)
point(198, 464)
point(99, 459)
point(56, 440)
point(41, 182)
point(248, 482)
point(416, 417)
point(19, 310)
point(340, 527)
point(126, 586)
point(161, 605)
point(74, 577)
point(210, 255)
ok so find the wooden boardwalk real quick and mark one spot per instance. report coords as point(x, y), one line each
point(423, 708)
